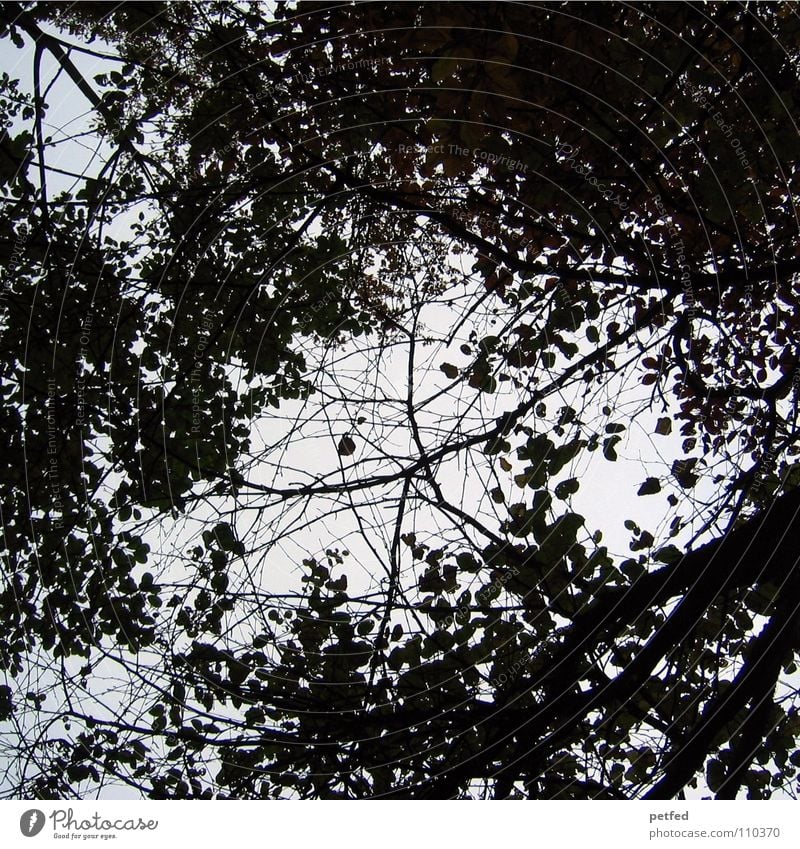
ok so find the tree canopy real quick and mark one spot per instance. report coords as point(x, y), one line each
point(400, 401)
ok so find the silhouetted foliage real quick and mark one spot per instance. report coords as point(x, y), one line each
point(341, 348)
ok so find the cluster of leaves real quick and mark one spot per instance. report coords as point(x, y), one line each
point(266, 194)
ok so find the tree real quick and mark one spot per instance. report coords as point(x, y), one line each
point(318, 374)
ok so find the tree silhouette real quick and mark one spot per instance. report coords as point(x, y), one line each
point(400, 401)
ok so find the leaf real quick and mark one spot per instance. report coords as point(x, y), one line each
point(6, 704)
point(563, 455)
point(507, 46)
point(664, 426)
point(650, 487)
point(715, 774)
point(484, 382)
point(451, 371)
point(467, 562)
point(223, 533)
point(339, 585)
point(567, 488)
point(219, 582)
point(558, 540)
point(363, 628)
point(255, 716)
point(646, 540)
point(237, 671)
point(445, 68)
point(346, 446)
point(682, 471)
point(669, 554)
point(609, 451)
